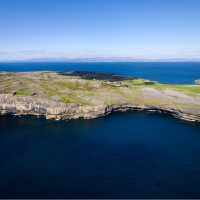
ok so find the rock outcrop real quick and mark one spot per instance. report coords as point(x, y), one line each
point(56, 96)
point(12, 105)
point(197, 82)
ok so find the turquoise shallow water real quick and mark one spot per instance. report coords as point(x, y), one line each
point(124, 155)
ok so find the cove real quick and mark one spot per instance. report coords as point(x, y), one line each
point(123, 155)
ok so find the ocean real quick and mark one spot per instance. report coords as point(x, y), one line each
point(123, 155)
point(177, 72)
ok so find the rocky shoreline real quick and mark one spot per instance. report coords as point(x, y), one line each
point(87, 95)
point(20, 106)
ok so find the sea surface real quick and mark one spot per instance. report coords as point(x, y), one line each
point(123, 155)
point(177, 72)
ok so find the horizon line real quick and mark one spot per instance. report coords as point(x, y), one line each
point(100, 59)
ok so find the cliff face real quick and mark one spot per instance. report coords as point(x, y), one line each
point(58, 97)
point(10, 104)
point(57, 111)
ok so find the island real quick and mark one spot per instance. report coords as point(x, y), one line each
point(87, 95)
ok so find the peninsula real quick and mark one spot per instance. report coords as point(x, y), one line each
point(89, 95)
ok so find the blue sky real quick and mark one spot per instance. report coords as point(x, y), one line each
point(138, 29)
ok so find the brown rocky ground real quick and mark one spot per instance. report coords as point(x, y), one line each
point(71, 96)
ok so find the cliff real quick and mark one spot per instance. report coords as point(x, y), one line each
point(71, 96)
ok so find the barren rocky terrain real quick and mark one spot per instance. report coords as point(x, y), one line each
point(89, 95)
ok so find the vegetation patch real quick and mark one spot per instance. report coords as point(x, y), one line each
point(23, 92)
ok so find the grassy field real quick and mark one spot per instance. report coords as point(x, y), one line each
point(70, 89)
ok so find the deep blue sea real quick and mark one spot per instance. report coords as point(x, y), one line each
point(123, 155)
point(163, 72)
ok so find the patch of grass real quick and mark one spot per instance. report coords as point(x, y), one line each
point(139, 82)
point(70, 85)
point(23, 92)
point(67, 100)
point(77, 85)
point(48, 89)
point(186, 89)
point(72, 98)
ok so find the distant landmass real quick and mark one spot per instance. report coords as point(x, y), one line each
point(113, 59)
point(98, 59)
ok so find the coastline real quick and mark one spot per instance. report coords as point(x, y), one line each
point(94, 112)
point(95, 97)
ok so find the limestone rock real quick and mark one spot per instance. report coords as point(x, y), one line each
point(197, 82)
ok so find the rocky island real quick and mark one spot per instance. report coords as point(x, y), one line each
point(90, 95)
